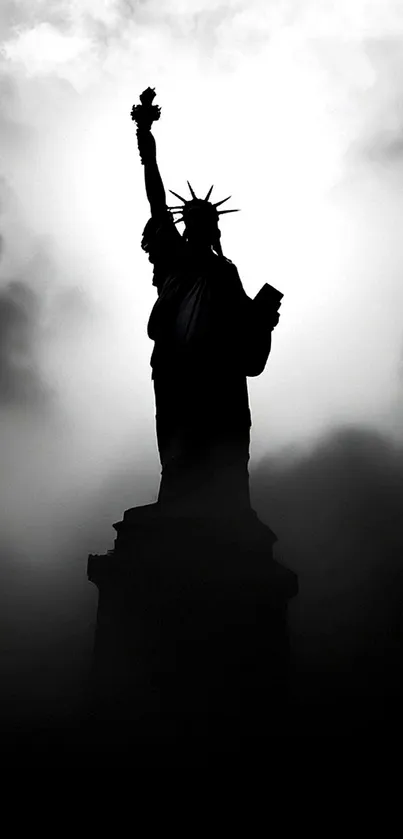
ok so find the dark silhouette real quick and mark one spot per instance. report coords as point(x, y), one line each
point(191, 641)
point(209, 336)
point(337, 509)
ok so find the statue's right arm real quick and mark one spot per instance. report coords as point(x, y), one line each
point(153, 181)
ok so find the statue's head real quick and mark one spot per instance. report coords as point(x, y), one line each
point(201, 218)
point(201, 223)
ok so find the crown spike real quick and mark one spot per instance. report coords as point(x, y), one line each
point(209, 193)
point(178, 196)
point(221, 212)
point(222, 202)
point(192, 191)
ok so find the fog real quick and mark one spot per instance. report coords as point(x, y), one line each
point(293, 110)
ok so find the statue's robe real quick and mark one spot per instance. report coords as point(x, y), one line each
point(204, 329)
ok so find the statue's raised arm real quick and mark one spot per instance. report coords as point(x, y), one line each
point(144, 115)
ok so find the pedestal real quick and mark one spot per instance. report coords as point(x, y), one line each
point(191, 646)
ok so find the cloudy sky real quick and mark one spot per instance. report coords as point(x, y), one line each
point(294, 108)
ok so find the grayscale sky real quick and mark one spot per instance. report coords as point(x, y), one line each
point(295, 109)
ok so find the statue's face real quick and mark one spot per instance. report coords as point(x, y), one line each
point(201, 228)
point(197, 236)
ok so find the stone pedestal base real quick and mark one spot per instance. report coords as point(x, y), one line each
point(191, 645)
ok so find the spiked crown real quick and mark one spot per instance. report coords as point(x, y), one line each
point(195, 205)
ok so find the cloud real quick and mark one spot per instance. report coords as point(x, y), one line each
point(21, 384)
point(337, 511)
point(45, 48)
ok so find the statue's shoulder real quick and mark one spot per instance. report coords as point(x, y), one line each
point(231, 277)
point(228, 265)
